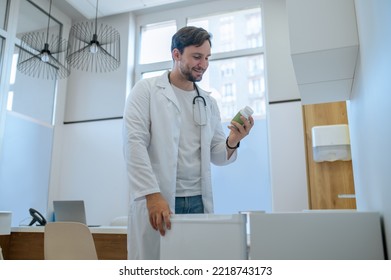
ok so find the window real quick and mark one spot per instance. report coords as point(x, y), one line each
point(229, 92)
point(3, 23)
point(235, 78)
point(31, 96)
point(3, 13)
point(253, 29)
point(227, 33)
point(227, 29)
point(2, 40)
point(152, 74)
point(234, 84)
point(35, 101)
point(156, 42)
point(227, 69)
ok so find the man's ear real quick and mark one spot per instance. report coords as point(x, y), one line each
point(176, 54)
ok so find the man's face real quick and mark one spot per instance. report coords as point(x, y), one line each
point(194, 61)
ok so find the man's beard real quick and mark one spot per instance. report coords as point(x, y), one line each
point(187, 73)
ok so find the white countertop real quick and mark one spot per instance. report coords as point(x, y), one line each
point(99, 229)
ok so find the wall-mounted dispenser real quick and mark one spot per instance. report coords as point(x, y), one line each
point(331, 143)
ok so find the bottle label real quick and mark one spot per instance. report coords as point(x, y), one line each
point(237, 118)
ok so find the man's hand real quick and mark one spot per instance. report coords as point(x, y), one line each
point(238, 131)
point(159, 212)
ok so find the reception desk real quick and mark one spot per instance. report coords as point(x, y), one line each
point(307, 235)
point(26, 243)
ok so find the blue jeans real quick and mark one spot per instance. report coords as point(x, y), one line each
point(189, 205)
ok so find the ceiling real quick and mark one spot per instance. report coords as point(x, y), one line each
point(86, 9)
point(81, 10)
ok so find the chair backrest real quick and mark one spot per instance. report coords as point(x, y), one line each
point(68, 241)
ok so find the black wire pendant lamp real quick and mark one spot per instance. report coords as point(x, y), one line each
point(42, 55)
point(93, 48)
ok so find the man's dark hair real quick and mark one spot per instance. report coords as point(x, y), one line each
point(190, 36)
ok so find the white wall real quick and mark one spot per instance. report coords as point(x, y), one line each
point(287, 157)
point(37, 101)
point(99, 95)
point(88, 162)
point(369, 111)
point(25, 166)
point(286, 132)
point(93, 169)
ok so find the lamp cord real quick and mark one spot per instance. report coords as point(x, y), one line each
point(50, 11)
point(96, 17)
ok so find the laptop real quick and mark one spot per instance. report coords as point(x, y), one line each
point(70, 211)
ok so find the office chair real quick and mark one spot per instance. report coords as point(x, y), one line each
point(68, 241)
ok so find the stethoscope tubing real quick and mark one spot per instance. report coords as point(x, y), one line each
point(198, 96)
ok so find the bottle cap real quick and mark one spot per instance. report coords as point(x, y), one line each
point(247, 111)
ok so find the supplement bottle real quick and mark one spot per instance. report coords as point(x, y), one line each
point(245, 112)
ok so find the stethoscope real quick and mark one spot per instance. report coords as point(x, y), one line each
point(198, 96)
point(199, 115)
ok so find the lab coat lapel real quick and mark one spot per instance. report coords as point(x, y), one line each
point(167, 91)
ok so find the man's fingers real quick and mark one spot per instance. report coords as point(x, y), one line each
point(167, 221)
point(159, 212)
point(152, 222)
point(160, 222)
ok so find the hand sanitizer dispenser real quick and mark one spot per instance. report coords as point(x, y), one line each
point(331, 143)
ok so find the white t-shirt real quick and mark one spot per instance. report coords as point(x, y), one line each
point(189, 156)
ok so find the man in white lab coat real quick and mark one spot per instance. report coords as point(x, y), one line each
point(172, 132)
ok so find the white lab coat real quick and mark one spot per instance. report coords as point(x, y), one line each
point(151, 138)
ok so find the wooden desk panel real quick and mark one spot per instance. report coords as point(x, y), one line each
point(26, 246)
point(111, 246)
point(30, 246)
point(4, 244)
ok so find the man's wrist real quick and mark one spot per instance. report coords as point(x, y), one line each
point(231, 147)
point(152, 195)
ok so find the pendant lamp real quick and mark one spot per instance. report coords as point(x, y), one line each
point(92, 47)
point(43, 56)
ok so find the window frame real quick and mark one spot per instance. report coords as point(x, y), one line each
point(180, 15)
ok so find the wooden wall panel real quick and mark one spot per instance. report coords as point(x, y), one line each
point(329, 182)
point(26, 246)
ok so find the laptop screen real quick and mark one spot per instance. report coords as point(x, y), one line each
point(69, 211)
